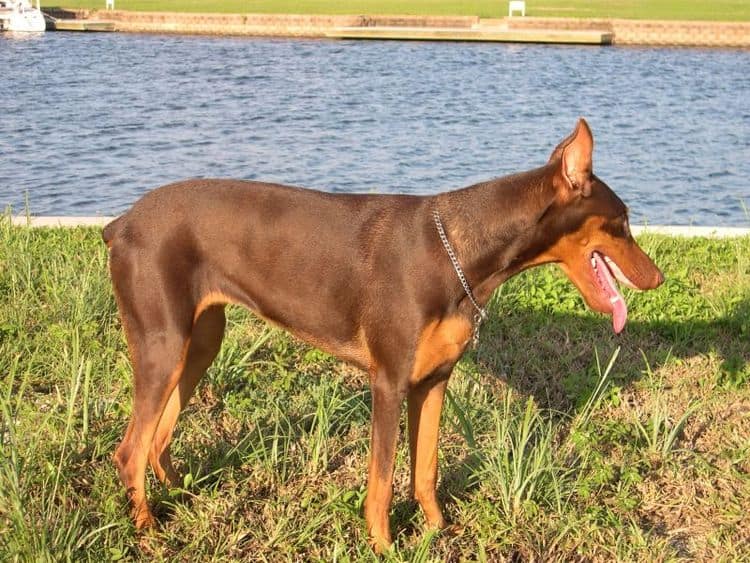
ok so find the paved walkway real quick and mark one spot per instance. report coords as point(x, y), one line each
point(673, 230)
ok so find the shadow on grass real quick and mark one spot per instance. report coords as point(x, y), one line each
point(550, 356)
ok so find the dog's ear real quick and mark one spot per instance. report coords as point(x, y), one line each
point(575, 157)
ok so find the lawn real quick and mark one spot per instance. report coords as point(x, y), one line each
point(560, 440)
point(730, 10)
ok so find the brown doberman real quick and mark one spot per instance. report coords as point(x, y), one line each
point(394, 284)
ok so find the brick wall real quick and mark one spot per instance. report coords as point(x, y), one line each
point(421, 21)
point(626, 32)
point(649, 32)
point(288, 25)
point(710, 34)
point(227, 24)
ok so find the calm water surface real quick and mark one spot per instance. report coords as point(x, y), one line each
point(89, 122)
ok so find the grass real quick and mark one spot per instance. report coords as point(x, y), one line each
point(729, 10)
point(560, 441)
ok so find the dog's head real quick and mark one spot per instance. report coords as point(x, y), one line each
point(588, 231)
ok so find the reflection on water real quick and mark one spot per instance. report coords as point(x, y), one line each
point(22, 36)
point(90, 122)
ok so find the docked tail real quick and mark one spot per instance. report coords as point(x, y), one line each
point(111, 230)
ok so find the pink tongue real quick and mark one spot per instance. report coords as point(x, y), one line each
point(608, 284)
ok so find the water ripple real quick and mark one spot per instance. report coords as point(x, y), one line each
point(92, 121)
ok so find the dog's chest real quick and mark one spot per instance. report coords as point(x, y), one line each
point(440, 343)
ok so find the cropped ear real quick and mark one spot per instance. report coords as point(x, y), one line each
point(575, 155)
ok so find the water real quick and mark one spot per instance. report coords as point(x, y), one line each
point(89, 122)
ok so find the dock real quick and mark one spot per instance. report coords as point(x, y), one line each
point(80, 25)
point(478, 33)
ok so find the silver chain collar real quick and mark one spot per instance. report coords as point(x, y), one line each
point(481, 314)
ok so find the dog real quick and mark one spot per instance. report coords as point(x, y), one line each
point(394, 284)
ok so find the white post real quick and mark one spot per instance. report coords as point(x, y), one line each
point(516, 6)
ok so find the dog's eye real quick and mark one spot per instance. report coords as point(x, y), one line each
point(618, 226)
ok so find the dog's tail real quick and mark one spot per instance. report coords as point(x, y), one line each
point(112, 229)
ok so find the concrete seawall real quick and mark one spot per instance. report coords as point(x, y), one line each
point(672, 230)
point(651, 32)
point(625, 32)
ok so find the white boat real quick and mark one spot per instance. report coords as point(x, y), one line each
point(21, 15)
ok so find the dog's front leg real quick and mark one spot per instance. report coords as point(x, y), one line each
point(387, 395)
point(425, 401)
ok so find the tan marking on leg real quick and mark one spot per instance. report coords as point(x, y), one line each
point(425, 405)
point(209, 300)
point(206, 339)
point(378, 505)
point(159, 457)
point(132, 454)
point(386, 410)
point(440, 342)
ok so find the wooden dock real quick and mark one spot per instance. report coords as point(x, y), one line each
point(81, 25)
point(480, 33)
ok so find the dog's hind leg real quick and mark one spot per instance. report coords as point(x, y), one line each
point(158, 325)
point(205, 342)
point(157, 367)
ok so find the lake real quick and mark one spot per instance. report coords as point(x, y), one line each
point(90, 122)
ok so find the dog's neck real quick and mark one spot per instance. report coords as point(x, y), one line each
point(493, 226)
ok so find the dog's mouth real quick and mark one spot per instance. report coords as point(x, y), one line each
point(605, 274)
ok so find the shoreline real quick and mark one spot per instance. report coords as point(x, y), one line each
point(60, 221)
point(684, 33)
